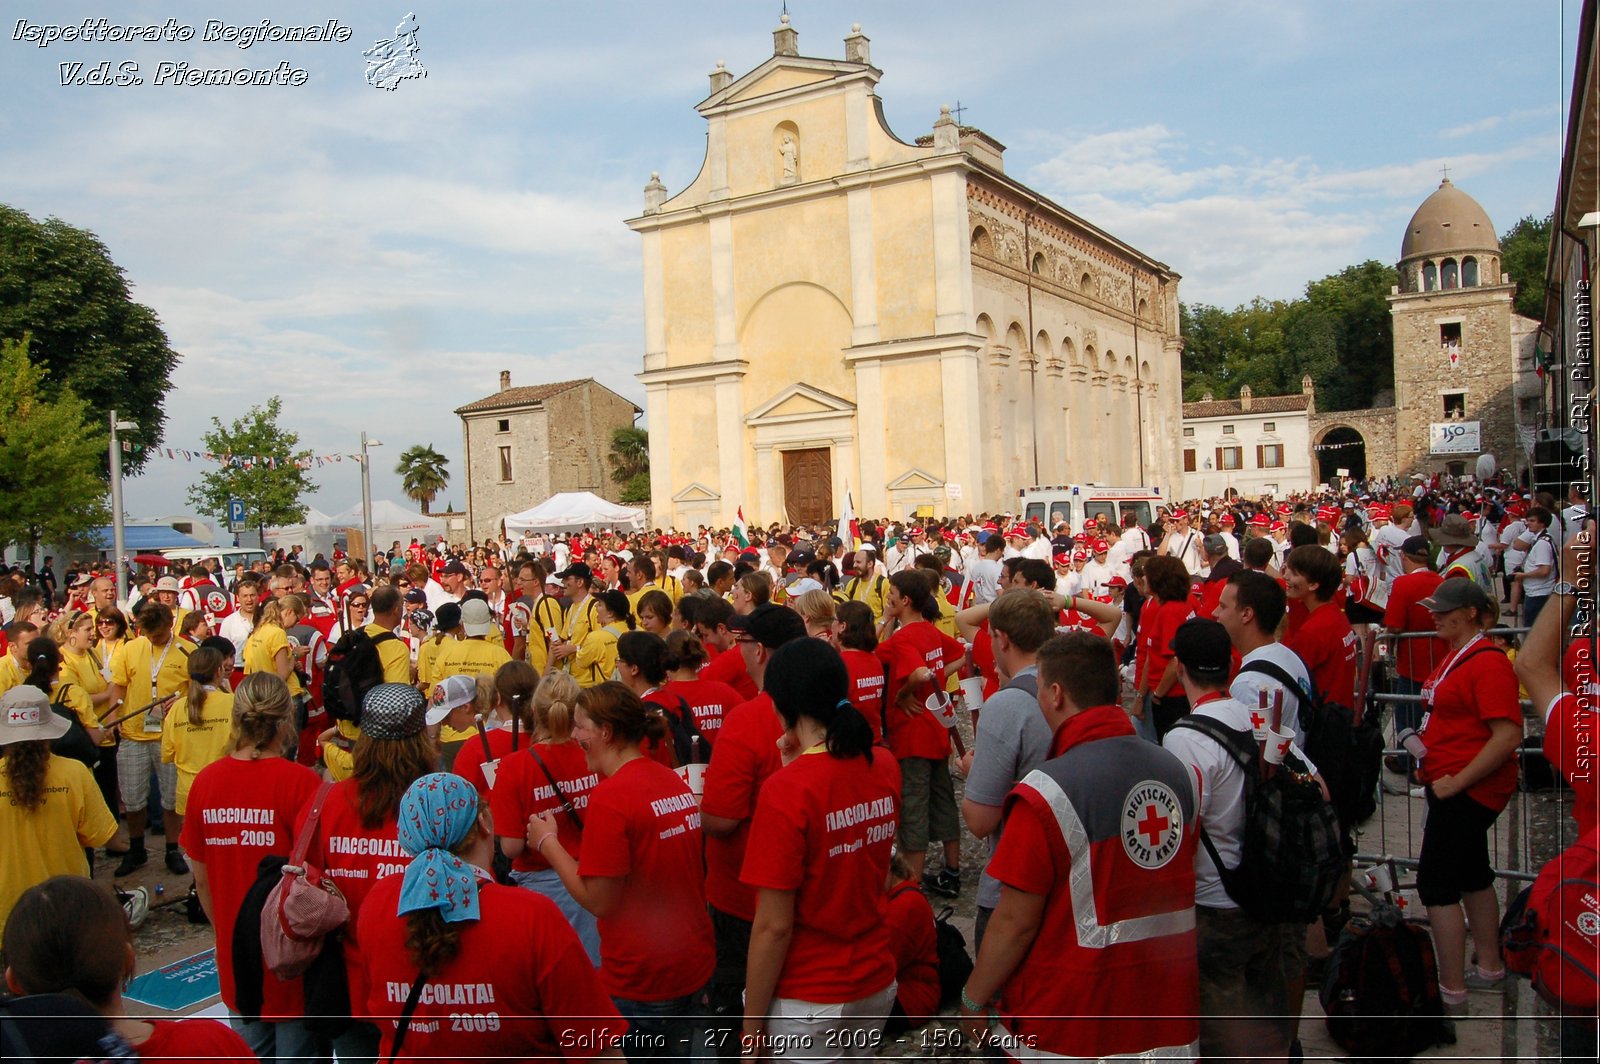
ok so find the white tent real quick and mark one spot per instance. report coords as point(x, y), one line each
point(391, 521)
point(316, 534)
point(573, 511)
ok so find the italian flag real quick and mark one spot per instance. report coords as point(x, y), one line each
point(741, 531)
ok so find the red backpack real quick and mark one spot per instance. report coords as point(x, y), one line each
point(1551, 931)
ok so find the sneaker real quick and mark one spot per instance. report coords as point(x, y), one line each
point(136, 903)
point(1478, 979)
point(175, 862)
point(132, 861)
point(946, 883)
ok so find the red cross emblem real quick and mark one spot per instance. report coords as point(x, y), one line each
point(1258, 720)
point(1154, 825)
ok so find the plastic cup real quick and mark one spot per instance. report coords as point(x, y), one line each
point(695, 777)
point(1278, 743)
point(489, 769)
point(941, 706)
point(1377, 879)
point(972, 691)
point(1412, 742)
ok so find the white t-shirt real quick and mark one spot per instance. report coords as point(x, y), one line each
point(1386, 541)
point(1185, 546)
point(236, 628)
point(1039, 547)
point(1509, 535)
point(1543, 552)
point(985, 576)
point(1247, 686)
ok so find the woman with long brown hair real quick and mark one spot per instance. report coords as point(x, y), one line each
point(357, 837)
point(445, 926)
point(50, 808)
point(196, 732)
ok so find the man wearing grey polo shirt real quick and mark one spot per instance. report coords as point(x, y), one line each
point(1012, 736)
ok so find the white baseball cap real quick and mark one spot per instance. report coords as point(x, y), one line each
point(25, 716)
point(476, 619)
point(448, 695)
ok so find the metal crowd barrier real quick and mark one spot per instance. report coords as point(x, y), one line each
point(1531, 829)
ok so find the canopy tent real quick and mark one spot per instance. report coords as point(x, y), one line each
point(573, 511)
point(391, 521)
point(317, 534)
point(144, 538)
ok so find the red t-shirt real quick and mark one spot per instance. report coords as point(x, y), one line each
point(521, 987)
point(1468, 691)
point(239, 812)
point(643, 825)
point(823, 828)
point(746, 754)
point(914, 946)
point(709, 700)
point(1415, 659)
point(1577, 669)
point(728, 667)
point(983, 660)
point(522, 789)
point(917, 645)
point(1569, 745)
point(470, 758)
point(867, 679)
point(1158, 623)
point(1327, 644)
point(355, 857)
point(663, 751)
point(177, 1041)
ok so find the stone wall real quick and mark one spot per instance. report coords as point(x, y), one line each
point(1377, 428)
point(579, 440)
point(491, 498)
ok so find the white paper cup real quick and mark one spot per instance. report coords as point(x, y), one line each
point(1377, 879)
point(1258, 724)
point(941, 706)
point(489, 770)
point(1278, 743)
point(972, 691)
point(695, 777)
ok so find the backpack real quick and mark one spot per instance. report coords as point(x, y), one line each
point(354, 668)
point(1551, 931)
point(75, 744)
point(1348, 753)
point(1380, 990)
point(1291, 853)
point(955, 965)
point(688, 742)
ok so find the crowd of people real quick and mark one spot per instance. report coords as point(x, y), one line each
point(657, 795)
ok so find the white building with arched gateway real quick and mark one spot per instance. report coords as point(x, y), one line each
point(829, 307)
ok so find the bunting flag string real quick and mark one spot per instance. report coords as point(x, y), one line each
point(248, 461)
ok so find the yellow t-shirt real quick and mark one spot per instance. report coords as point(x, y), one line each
point(49, 841)
point(83, 670)
point(394, 653)
point(76, 699)
point(477, 656)
point(263, 646)
point(194, 746)
point(596, 659)
point(11, 674)
point(135, 662)
point(579, 621)
point(871, 591)
point(546, 615)
point(341, 762)
point(428, 660)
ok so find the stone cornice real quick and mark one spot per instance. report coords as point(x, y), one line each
point(697, 372)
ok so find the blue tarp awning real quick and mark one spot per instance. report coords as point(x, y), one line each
point(137, 538)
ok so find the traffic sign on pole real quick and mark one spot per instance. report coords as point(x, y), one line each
point(236, 515)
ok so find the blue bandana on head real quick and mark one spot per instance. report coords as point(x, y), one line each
point(436, 813)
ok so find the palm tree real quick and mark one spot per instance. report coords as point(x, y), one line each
point(630, 462)
point(424, 472)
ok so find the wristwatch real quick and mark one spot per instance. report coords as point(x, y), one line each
point(1564, 587)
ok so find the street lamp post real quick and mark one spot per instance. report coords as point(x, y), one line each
point(117, 538)
point(366, 495)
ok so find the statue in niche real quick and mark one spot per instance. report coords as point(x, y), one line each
point(789, 153)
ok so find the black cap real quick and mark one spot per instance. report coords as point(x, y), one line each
point(454, 566)
point(1416, 547)
point(447, 618)
point(578, 570)
point(770, 625)
point(1203, 647)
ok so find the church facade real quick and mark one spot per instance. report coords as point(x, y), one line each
point(830, 309)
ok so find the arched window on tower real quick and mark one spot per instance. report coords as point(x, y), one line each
point(982, 243)
point(1430, 277)
point(1038, 262)
point(1469, 272)
point(1448, 277)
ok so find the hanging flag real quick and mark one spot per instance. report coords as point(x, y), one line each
point(849, 528)
point(741, 531)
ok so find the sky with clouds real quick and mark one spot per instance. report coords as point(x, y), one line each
point(377, 257)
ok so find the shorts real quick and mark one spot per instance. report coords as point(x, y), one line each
point(135, 761)
point(1455, 849)
point(807, 1031)
point(1248, 970)
point(927, 804)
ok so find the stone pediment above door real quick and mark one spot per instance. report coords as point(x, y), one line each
point(800, 403)
point(697, 492)
point(914, 479)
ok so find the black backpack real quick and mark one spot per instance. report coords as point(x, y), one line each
point(1291, 854)
point(1380, 990)
point(688, 741)
point(955, 964)
point(75, 744)
point(1348, 754)
point(354, 668)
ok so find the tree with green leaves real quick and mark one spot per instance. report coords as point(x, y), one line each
point(1524, 254)
point(424, 473)
point(630, 462)
point(50, 457)
point(60, 284)
point(257, 463)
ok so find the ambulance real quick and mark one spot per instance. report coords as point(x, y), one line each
point(1077, 503)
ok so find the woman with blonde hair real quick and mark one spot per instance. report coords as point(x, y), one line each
point(750, 591)
point(196, 732)
point(550, 775)
point(268, 650)
point(244, 806)
point(817, 609)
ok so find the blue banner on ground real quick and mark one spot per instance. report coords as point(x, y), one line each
point(179, 985)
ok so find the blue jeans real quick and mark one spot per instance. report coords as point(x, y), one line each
point(279, 1040)
point(548, 883)
point(1406, 714)
point(675, 1029)
point(1531, 607)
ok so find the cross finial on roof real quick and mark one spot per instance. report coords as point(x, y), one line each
point(956, 110)
point(1445, 170)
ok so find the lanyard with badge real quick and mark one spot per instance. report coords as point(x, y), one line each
point(1431, 687)
point(152, 719)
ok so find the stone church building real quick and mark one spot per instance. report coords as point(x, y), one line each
point(829, 308)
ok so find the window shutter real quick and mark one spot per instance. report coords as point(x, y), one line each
point(1219, 457)
point(1260, 457)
